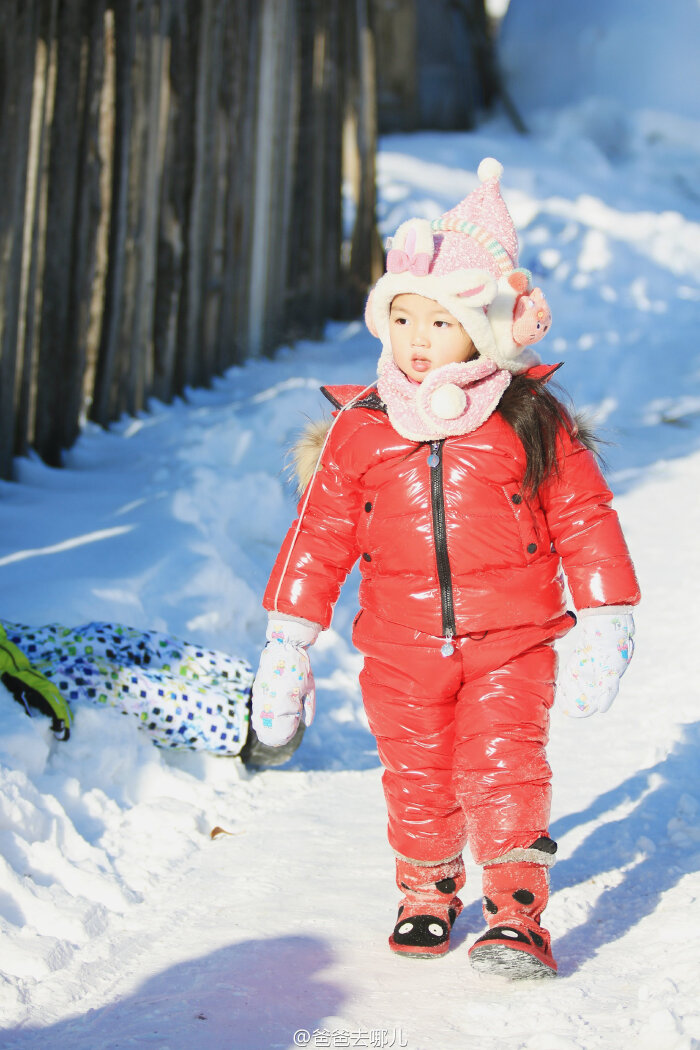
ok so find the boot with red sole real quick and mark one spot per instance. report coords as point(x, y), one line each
point(515, 945)
point(428, 908)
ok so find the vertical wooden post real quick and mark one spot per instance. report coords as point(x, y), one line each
point(60, 363)
point(44, 89)
point(132, 305)
point(243, 44)
point(105, 404)
point(19, 31)
point(169, 371)
point(101, 150)
point(150, 101)
point(213, 229)
point(366, 251)
point(86, 228)
point(263, 168)
point(276, 97)
point(197, 203)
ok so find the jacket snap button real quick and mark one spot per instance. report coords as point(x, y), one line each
point(368, 507)
point(367, 557)
point(517, 498)
point(531, 548)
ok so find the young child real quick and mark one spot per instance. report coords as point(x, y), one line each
point(463, 486)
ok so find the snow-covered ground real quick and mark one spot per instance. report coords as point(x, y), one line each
point(640, 54)
point(122, 923)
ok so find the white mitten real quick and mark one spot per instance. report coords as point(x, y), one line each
point(283, 690)
point(603, 647)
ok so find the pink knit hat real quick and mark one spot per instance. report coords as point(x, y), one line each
point(467, 260)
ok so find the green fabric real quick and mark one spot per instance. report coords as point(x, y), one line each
point(15, 663)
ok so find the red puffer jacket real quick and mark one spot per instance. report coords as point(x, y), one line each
point(452, 548)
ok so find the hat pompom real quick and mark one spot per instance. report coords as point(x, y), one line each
point(490, 168)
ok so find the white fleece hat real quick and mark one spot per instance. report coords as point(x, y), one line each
point(467, 260)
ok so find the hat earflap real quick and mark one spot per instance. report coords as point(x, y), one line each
point(519, 316)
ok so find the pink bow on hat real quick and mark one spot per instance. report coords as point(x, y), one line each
point(401, 260)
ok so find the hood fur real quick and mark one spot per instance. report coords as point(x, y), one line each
point(306, 450)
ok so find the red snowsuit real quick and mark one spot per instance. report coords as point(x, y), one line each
point(454, 550)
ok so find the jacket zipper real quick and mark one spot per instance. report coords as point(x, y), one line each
point(437, 499)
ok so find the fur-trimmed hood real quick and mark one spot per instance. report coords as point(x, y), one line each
point(306, 451)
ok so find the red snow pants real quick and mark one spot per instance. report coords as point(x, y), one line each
point(462, 738)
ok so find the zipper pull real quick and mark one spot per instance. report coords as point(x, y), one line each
point(434, 458)
point(447, 648)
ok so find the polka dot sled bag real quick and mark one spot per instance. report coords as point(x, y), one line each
point(185, 696)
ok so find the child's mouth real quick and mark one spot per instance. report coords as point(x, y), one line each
point(420, 364)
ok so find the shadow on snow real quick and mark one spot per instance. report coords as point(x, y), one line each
point(651, 855)
point(649, 846)
point(252, 996)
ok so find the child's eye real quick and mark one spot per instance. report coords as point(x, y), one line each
point(442, 324)
point(400, 320)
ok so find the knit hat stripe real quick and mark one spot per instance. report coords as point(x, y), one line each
point(482, 236)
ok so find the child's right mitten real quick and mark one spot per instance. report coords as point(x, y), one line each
point(283, 690)
point(590, 679)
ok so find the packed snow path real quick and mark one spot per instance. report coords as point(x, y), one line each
point(124, 924)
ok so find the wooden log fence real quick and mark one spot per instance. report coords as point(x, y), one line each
point(171, 180)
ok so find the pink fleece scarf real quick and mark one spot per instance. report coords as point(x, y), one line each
point(454, 399)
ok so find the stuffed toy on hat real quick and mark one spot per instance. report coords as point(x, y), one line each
point(467, 260)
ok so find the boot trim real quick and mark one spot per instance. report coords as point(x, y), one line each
point(428, 863)
point(528, 856)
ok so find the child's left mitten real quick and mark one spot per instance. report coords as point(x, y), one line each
point(284, 690)
point(603, 648)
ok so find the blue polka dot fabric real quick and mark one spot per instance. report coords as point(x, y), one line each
point(185, 696)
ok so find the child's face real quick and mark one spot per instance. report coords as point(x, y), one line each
point(424, 336)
